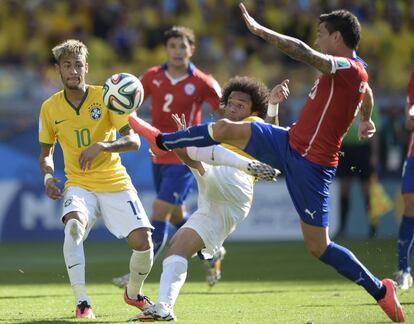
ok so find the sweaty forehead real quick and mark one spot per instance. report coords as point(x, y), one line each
point(241, 96)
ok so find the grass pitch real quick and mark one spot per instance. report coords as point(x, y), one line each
point(275, 282)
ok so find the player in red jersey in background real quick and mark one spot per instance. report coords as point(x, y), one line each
point(307, 153)
point(406, 232)
point(175, 87)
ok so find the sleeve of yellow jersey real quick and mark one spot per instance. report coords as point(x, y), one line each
point(120, 122)
point(237, 150)
point(46, 132)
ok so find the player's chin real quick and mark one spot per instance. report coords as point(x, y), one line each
point(74, 85)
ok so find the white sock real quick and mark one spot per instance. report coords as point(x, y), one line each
point(140, 266)
point(174, 273)
point(75, 258)
point(218, 155)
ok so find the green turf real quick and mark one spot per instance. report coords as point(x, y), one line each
point(262, 283)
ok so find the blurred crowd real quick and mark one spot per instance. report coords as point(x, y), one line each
point(126, 35)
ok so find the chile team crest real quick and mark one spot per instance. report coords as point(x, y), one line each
point(189, 89)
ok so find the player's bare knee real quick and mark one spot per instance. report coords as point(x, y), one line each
point(140, 239)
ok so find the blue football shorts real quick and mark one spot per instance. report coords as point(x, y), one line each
point(408, 176)
point(172, 182)
point(307, 182)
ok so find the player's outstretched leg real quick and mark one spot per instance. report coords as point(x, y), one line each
point(141, 127)
point(346, 263)
point(390, 304)
point(219, 155)
point(213, 267)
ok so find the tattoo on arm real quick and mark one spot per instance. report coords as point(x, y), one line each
point(128, 142)
point(122, 144)
point(298, 50)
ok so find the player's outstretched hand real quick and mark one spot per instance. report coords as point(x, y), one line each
point(279, 93)
point(52, 190)
point(366, 129)
point(181, 123)
point(251, 24)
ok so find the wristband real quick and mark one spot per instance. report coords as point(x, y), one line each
point(47, 177)
point(272, 109)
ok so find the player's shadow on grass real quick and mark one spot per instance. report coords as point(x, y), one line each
point(61, 321)
point(211, 291)
point(70, 295)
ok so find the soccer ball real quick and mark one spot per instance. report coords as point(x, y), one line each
point(123, 93)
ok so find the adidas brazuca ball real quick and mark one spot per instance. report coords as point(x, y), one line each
point(123, 93)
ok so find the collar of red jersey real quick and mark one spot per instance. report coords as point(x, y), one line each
point(190, 70)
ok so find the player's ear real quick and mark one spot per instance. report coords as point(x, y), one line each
point(57, 67)
point(86, 67)
point(337, 36)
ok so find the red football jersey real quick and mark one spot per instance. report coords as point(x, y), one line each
point(410, 102)
point(184, 95)
point(332, 104)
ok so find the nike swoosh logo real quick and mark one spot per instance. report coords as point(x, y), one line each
point(71, 266)
point(142, 273)
point(59, 121)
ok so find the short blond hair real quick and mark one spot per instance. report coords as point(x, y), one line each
point(69, 47)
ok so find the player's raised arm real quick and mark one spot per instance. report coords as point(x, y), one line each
point(291, 46)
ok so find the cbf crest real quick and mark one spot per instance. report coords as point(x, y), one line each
point(95, 112)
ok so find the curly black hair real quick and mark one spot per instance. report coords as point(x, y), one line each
point(258, 91)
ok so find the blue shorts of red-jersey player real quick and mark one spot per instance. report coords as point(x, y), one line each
point(307, 182)
point(172, 182)
point(408, 176)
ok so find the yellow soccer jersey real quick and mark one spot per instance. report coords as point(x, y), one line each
point(76, 129)
point(237, 150)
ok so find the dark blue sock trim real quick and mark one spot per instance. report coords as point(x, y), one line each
point(193, 136)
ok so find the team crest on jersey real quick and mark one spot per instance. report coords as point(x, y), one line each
point(67, 202)
point(95, 112)
point(342, 63)
point(189, 89)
